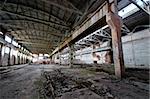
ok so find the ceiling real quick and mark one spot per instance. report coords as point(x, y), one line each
point(40, 25)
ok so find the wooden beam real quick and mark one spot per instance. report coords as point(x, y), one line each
point(115, 24)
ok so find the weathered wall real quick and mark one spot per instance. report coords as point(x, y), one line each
point(12, 58)
point(136, 50)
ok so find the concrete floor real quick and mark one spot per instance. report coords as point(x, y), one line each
point(19, 83)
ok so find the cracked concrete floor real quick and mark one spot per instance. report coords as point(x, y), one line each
point(19, 82)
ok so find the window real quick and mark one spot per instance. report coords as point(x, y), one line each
point(15, 43)
point(7, 50)
point(8, 39)
point(46, 55)
point(131, 8)
point(1, 33)
point(40, 54)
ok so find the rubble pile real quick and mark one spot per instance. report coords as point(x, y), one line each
point(56, 84)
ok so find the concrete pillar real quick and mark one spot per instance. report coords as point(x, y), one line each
point(114, 22)
point(2, 49)
point(96, 57)
point(71, 54)
point(1, 54)
point(109, 54)
point(10, 59)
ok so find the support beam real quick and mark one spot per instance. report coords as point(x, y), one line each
point(114, 22)
point(25, 28)
point(88, 5)
point(95, 17)
point(35, 43)
point(33, 40)
point(63, 7)
point(22, 21)
point(33, 19)
point(30, 8)
point(72, 5)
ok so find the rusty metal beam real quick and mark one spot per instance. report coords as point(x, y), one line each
point(90, 21)
point(114, 22)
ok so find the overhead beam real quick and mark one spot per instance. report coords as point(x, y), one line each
point(20, 33)
point(72, 5)
point(34, 22)
point(37, 48)
point(36, 10)
point(62, 7)
point(34, 43)
point(28, 41)
point(33, 19)
point(24, 28)
point(38, 40)
point(87, 5)
point(95, 17)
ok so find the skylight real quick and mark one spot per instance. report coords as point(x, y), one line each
point(130, 9)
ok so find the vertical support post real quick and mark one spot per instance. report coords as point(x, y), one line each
point(2, 48)
point(114, 22)
point(109, 54)
point(94, 55)
point(1, 45)
point(10, 53)
point(59, 58)
point(71, 54)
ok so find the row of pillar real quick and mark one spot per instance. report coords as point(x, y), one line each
point(12, 57)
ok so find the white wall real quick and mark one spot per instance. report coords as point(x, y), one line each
point(136, 49)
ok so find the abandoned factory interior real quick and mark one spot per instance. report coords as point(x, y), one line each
point(74, 49)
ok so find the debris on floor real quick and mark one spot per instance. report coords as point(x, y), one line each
point(79, 83)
